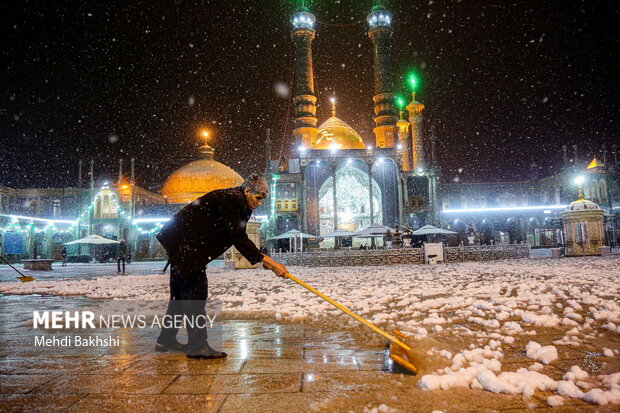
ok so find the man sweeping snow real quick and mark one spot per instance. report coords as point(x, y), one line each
point(198, 234)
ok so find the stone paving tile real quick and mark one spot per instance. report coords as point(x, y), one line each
point(283, 403)
point(354, 381)
point(191, 384)
point(296, 366)
point(63, 366)
point(148, 403)
point(245, 351)
point(311, 352)
point(18, 383)
point(120, 383)
point(37, 402)
point(256, 383)
point(187, 366)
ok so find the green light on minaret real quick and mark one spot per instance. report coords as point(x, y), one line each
point(400, 102)
point(412, 79)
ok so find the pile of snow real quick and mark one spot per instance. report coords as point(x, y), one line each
point(545, 354)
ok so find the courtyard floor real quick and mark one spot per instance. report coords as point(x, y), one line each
point(471, 326)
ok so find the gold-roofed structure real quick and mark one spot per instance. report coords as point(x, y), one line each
point(335, 133)
point(198, 178)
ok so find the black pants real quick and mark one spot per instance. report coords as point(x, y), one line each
point(64, 261)
point(119, 264)
point(187, 297)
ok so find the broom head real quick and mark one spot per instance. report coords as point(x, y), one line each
point(402, 355)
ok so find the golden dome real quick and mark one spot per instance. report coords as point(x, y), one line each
point(336, 133)
point(198, 178)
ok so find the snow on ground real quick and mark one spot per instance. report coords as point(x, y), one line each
point(473, 316)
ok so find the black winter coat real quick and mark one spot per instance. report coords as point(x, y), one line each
point(206, 228)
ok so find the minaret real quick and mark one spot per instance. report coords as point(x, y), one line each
point(267, 151)
point(403, 139)
point(433, 181)
point(304, 100)
point(80, 174)
point(416, 118)
point(92, 174)
point(380, 31)
point(565, 156)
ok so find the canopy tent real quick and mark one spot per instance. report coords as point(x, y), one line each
point(292, 234)
point(92, 239)
point(339, 233)
point(374, 230)
point(432, 230)
point(292, 237)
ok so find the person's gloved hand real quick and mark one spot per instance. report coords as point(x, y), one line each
point(278, 269)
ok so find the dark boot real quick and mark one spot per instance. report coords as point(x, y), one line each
point(207, 353)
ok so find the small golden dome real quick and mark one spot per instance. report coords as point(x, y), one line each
point(335, 133)
point(198, 178)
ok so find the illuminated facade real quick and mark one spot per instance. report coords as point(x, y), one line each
point(338, 180)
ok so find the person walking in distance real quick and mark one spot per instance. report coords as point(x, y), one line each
point(63, 254)
point(121, 256)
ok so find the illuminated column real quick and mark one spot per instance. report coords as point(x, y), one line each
point(304, 100)
point(372, 205)
point(403, 141)
point(432, 182)
point(334, 166)
point(302, 201)
point(380, 31)
point(417, 142)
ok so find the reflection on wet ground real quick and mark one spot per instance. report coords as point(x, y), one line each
point(80, 271)
point(272, 367)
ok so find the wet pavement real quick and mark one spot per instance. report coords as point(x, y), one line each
point(87, 271)
point(271, 367)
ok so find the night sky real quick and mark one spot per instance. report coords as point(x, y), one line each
point(505, 83)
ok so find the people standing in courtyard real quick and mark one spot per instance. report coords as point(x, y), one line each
point(198, 234)
point(121, 256)
point(63, 254)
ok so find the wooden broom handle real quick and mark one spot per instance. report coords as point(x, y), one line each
point(349, 312)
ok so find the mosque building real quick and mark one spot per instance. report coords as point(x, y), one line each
point(339, 181)
point(336, 180)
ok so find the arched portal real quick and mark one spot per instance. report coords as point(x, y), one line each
point(352, 198)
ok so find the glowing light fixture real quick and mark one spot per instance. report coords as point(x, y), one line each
point(14, 218)
point(412, 79)
point(146, 220)
point(515, 208)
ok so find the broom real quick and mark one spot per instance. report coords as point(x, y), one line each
point(23, 278)
point(400, 352)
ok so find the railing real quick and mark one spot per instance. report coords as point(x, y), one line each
point(351, 258)
point(486, 252)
